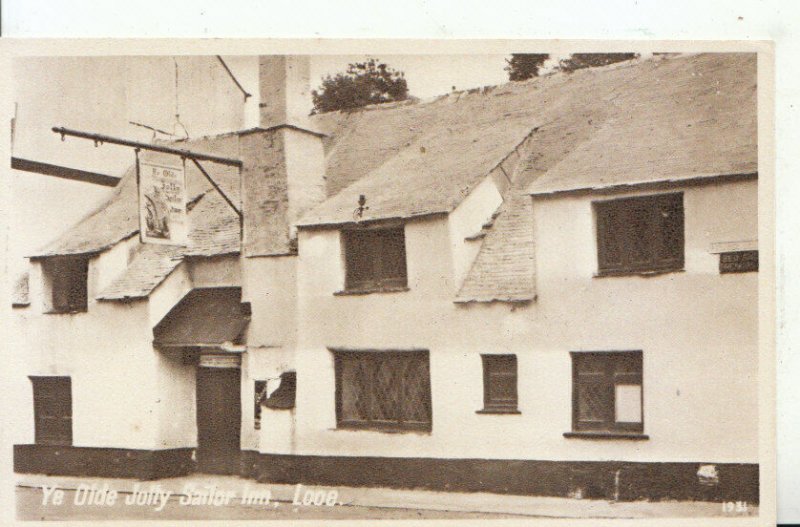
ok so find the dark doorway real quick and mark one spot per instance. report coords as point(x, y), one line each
point(219, 417)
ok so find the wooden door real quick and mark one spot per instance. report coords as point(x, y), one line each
point(219, 418)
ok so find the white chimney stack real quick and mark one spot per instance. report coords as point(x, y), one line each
point(284, 91)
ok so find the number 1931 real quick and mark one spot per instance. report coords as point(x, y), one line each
point(734, 507)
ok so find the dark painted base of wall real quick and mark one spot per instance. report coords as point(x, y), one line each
point(102, 462)
point(592, 479)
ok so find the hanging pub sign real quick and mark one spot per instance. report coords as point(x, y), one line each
point(162, 199)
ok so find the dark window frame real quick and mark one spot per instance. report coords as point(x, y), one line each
point(371, 357)
point(52, 410)
point(614, 369)
point(496, 367)
point(640, 234)
point(375, 258)
point(68, 278)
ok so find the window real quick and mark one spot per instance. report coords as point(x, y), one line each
point(52, 410)
point(375, 259)
point(260, 390)
point(383, 390)
point(67, 278)
point(642, 234)
point(607, 392)
point(284, 396)
point(499, 384)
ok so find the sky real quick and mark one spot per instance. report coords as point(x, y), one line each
point(103, 94)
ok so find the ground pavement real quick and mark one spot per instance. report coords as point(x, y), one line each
point(202, 496)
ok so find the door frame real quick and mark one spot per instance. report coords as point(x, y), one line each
point(222, 460)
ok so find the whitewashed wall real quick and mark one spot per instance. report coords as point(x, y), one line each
point(697, 330)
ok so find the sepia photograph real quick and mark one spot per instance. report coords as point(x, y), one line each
point(500, 283)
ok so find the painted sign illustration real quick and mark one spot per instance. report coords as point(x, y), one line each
point(162, 202)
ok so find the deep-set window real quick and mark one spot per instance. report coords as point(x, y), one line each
point(52, 410)
point(260, 391)
point(67, 276)
point(607, 392)
point(383, 390)
point(641, 234)
point(499, 383)
point(375, 258)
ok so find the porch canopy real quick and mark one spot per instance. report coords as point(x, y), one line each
point(211, 317)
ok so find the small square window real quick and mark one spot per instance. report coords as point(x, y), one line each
point(375, 259)
point(67, 277)
point(607, 392)
point(52, 410)
point(640, 235)
point(499, 383)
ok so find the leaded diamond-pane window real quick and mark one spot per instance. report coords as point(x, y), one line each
point(607, 391)
point(383, 390)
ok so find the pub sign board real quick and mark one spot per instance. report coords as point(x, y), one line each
point(162, 200)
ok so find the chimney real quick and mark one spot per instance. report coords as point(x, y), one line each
point(284, 91)
point(284, 162)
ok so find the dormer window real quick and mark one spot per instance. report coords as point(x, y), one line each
point(375, 259)
point(640, 235)
point(66, 284)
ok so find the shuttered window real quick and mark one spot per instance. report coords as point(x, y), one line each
point(641, 234)
point(499, 383)
point(607, 391)
point(52, 410)
point(375, 258)
point(68, 283)
point(383, 390)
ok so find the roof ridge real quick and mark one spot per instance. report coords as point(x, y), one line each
point(489, 88)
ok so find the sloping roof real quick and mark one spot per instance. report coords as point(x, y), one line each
point(213, 226)
point(669, 104)
point(504, 269)
point(118, 219)
point(114, 221)
point(641, 121)
point(214, 230)
point(149, 267)
point(204, 317)
point(430, 175)
point(664, 121)
point(644, 120)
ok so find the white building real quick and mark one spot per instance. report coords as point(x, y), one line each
point(545, 287)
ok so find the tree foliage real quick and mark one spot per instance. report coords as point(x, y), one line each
point(364, 83)
point(523, 66)
point(578, 61)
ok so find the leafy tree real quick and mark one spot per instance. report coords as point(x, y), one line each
point(578, 61)
point(369, 82)
point(523, 66)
